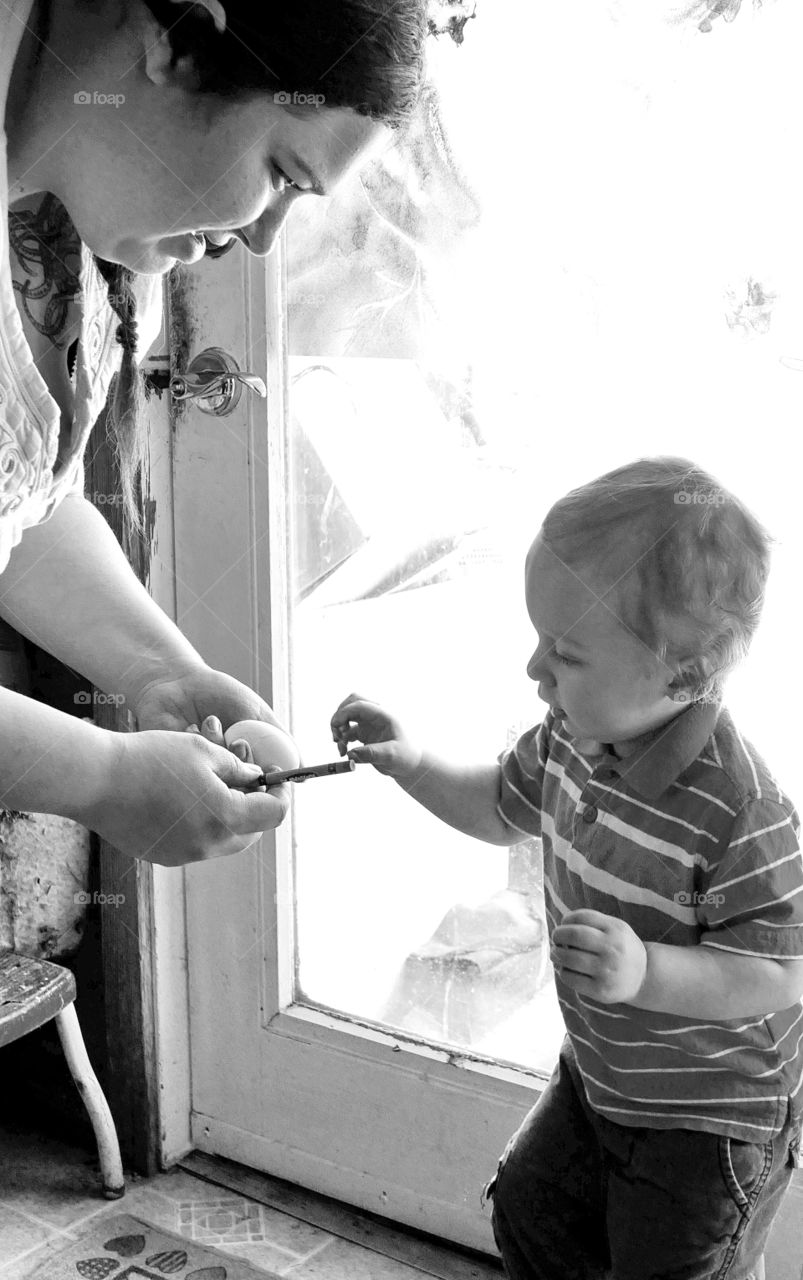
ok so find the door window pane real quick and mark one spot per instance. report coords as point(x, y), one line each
point(560, 269)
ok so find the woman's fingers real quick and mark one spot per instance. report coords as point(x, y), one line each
point(212, 730)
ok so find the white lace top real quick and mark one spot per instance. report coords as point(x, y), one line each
point(30, 418)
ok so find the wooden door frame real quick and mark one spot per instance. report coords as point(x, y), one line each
point(147, 1072)
point(130, 1075)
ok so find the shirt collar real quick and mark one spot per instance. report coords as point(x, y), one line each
point(663, 754)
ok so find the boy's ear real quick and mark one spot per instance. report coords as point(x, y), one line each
point(681, 687)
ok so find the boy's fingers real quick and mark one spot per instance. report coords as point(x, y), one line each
point(353, 711)
point(350, 708)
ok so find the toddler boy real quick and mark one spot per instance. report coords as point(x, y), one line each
point(666, 1138)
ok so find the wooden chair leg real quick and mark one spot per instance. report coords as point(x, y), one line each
point(72, 1042)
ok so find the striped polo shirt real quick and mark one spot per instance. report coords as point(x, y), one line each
point(691, 841)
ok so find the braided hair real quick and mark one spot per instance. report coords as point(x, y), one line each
point(127, 394)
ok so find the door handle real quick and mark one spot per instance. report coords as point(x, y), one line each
point(213, 380)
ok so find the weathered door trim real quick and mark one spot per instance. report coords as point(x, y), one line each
point(143, 940)
point(126, 930)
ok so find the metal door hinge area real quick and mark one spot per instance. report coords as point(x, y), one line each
point(213, 381)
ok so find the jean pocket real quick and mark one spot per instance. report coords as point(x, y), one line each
point(490, 1187)
point(795, 1160)
point(745, 1168)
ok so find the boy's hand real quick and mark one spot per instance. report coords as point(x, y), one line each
point(599, 956)
point(386, 746)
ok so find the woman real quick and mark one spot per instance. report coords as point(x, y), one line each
point(146, 134)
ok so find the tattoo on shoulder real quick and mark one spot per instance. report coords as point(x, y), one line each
point(48, 250)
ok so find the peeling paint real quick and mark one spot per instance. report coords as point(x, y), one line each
point(181, 329)
point(44, 859)
point(44, 871)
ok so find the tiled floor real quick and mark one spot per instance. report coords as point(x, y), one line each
point(49, 1194)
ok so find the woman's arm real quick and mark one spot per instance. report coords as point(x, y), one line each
point(69, 588)
point(51, 762)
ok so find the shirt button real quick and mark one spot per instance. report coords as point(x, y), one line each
point(590, 814)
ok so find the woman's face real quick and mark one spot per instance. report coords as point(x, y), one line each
point(143, 180)
point(142, 159)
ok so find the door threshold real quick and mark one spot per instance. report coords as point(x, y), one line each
point(401, 1243)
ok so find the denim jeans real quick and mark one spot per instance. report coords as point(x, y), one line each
point(577, 1197)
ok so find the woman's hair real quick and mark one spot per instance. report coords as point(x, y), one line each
point(685, 561)
point(362, 54)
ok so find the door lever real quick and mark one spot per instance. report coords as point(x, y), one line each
point(213, 380)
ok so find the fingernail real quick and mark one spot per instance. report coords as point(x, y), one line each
point(240, 750)
point(212, 723)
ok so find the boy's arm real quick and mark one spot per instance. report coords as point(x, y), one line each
point(471, 798)
point(464, 796)
point(602, 957)
point(498, 803)
point(749, 959)
point(697, 982)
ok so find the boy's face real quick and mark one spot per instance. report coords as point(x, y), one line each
point(607, 684)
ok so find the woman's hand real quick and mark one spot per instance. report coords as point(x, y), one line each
point(385, 744)
point(174, 797)
point(192, 697)
point(171, 798)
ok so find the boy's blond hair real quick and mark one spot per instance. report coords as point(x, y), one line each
point(684, 561)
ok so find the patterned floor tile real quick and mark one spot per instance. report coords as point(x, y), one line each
point(20, 1234)
point(227, 1219)
point(342, 1260)
point(140, 1201)
point(263, 1255)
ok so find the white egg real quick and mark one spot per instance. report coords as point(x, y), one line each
point(270, 745)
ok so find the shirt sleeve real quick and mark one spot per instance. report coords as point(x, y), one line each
point(79, 483)
point(521, 787)
point(752, 900)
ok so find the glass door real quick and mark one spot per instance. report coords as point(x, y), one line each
point(558, 270)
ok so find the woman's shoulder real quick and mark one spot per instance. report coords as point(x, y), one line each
point(41, 425)
point(45, 263)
